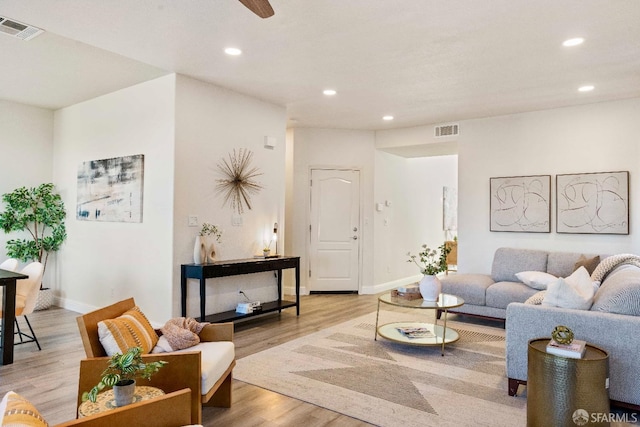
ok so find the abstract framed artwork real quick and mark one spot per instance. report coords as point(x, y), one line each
point(520, 204)
point(111, 189)
point(593, 203)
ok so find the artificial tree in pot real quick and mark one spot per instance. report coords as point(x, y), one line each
point(40, 213)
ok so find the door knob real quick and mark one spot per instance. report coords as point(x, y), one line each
point(355, 228)
point(355, 237)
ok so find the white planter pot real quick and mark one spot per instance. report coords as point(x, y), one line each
point(44, 300)
point(430, 288)
point(123, 394)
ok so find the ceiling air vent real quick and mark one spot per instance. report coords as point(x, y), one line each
point(18, 29)
point(446, 130)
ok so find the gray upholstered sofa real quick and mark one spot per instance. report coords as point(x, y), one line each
point(612, 323)
point(488, 295)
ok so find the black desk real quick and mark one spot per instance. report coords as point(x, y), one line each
point(8, 282)
point(235, 268)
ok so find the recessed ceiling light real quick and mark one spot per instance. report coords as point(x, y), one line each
point(234, 51)
point(329, 92)
point(573, 42)
point(387, 118)
point(586, 88)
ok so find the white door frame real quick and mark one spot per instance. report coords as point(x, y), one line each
point(360, 222)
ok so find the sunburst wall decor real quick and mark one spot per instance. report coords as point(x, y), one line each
point(239, 180)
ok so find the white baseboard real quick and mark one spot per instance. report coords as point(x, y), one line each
point(291, 290)
point(76, 306)
point(381, 287)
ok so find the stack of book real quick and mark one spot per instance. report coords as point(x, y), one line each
point(575, 350)
point(409, 292)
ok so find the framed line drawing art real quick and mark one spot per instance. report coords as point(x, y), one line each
point(520, 204)
point(111, 189)
point(593, 203)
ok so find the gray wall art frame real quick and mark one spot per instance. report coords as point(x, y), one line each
point(520, 204)
point(111, 190)
point(593, 203)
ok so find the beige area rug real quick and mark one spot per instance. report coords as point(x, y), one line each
point(343, 369)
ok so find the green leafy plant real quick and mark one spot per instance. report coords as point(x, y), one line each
point(431, 262)
point(209, 229)
point(122, 369)
point(40, 212)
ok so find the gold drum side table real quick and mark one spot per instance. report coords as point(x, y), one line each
point(562, 391)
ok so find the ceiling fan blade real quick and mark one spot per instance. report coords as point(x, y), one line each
point(262, 8)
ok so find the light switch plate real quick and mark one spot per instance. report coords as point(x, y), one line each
point(193, 220)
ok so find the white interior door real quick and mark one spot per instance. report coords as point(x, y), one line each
point(335, 230)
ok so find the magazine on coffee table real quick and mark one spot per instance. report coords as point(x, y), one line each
point(415, 332)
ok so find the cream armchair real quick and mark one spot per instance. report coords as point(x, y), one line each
point(209, 382)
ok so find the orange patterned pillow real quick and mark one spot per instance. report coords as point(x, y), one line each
point(131, 329)
point(15, 410)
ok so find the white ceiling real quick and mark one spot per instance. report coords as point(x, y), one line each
point(422, 61)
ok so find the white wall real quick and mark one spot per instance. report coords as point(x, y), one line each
point(104, 262)
point(591, 138)
point(332, 148)
point(26, 144)
point(210, 123)
point(414, 186)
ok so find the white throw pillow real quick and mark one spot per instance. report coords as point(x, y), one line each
point(536, 279)
point(575, 291)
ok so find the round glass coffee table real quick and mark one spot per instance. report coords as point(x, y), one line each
point(419, 333)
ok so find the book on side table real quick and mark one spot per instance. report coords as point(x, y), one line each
point(575, 350)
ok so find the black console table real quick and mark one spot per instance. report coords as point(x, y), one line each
point(235, 268)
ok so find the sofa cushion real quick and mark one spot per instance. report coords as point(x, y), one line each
point(575, 291)
point(15, 410)
point(215, 358)
point(620, 292)
point(536, 279)
point(509, 261)
point(131, 329)
point(470, 287)
point(501, 294)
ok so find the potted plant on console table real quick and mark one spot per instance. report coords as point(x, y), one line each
point(121, 374)
point(431, 263)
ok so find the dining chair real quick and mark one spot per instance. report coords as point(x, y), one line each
point(10, 264)
point(26, 296)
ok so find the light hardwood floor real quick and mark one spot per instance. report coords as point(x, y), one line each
point(49, 377)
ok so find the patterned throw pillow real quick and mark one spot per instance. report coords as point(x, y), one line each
point(131, 329)
point(15, 410)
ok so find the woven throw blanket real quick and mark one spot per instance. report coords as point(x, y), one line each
point(182, 332)
point(607, 265)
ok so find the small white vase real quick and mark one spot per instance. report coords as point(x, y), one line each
point(211, 250)
point(430, 288)
point(199, 251)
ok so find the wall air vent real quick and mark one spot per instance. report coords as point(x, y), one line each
point(446, 130)
point(18, 29)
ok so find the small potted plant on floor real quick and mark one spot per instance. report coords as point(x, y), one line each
point(121, 373)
